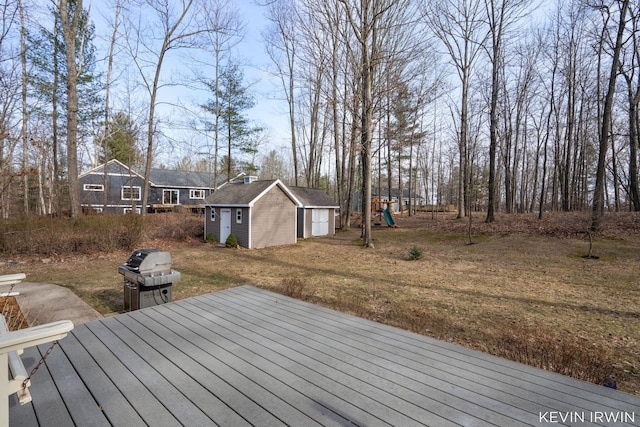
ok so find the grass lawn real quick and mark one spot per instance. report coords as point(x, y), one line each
point(523, 290)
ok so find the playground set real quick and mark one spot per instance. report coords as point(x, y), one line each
point(380, 209)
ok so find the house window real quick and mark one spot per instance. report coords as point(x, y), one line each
point(213, 214)
point(170, 197)
point(238, 216)
point(130, 193)
point(196, 194)
point(129, 210)
point(93, 187)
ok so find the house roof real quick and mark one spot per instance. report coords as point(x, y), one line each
point(161, 177)
point(384, 192)
point(241, 194)
point(313, 197)
point(185, 179)
point(114, 167)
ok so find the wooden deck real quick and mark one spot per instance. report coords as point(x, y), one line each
point(246, 356)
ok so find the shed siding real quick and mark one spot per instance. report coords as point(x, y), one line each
point(273, 220)
point(212, 227)
point(241, 231)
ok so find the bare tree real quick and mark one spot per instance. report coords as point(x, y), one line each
point(281, 44)
point(631, 73)
point(500, 14)
point(315, 58)
point(9, 96)
point(459, 25)
point(107, 98)
point(23, 131)
point(365, 21)
point(170, 27)
point(598, 194)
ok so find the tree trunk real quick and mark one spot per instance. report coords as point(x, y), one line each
point(365, 139)
point(634, 191)
point(598, 195)
point(55, 143)
point(23, 133)
point(69, 32)
point(462, 148)
point(496, 34)
point(114, 34)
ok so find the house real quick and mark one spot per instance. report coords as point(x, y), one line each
point(258, 213)
point(119, 189)
point(316, 216)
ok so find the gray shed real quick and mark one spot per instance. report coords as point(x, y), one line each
point(316, 215)
point(258, 213)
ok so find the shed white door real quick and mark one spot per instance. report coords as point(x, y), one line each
point(225, 224)
point(320, 222)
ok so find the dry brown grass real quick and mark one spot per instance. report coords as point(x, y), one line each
point(523, 291)
point(12, 313)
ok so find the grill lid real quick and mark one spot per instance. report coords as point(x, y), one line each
point(148, 261)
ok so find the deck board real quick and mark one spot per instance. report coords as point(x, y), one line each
point(253, 363)
point(113, 404)
point(457, 360)
point(384, 397)
point(447, 364)
point(408, 384)
point(73, 392)
point(246, 356)
point(147, 369)
point(135, 392)
point(51, 409)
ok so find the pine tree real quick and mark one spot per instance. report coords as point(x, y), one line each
point(235, 100)
point(120, 142)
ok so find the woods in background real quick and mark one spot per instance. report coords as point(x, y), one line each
point(488, 105)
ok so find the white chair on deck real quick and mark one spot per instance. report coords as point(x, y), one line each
point(12, 345)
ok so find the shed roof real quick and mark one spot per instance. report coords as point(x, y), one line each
point(313, 197)
point(246, 194)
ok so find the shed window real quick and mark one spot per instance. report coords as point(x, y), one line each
point(130, 193)
point(196, 194)
point(238, 216)
point(93, 187)
point(213, 214)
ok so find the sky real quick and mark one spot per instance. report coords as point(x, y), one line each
point(270, 110)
